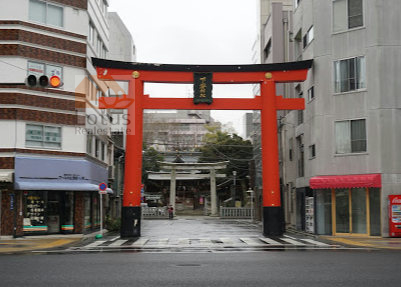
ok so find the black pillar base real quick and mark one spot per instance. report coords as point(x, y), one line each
point(273, 221)
point(130, 222)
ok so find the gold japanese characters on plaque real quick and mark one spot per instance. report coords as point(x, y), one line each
point(203, 85)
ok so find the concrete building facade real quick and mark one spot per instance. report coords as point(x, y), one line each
point(179, 130)
point(340, 159)
point(53, 155)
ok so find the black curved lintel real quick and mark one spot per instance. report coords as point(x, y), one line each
point(287, 66)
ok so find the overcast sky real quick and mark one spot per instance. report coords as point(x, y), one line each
point(193, 32)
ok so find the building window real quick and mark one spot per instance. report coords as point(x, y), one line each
point(350, 136)
point(347, 14)
point(43, 136)
point(311, 94)
point(298, 45)
point(89, 143)
point(308, 37)
point(91, 33)
point(43, 12)
point(104, 52)
point(290, 150)
point(268, 49)
point(350, 74)
point(300, 117)
point(99, 45)
point(97, 148)
point(296, 3)
point(103, 151)
point(99, 94)
point(301, 163)
point(312, 151)
point(300, 113)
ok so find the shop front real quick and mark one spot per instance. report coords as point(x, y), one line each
point(48, 212)
point(347, 204)
point(59, 195)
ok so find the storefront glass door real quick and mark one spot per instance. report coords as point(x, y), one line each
point(53, 212)
point(351, 211)
point(358, 196)
point(342, 211)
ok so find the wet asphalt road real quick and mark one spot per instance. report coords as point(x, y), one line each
point(274, 268)
point(248, 267)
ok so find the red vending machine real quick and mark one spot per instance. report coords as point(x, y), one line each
point(395, 215)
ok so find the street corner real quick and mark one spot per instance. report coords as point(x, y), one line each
point(367, 242)
point(26, 245)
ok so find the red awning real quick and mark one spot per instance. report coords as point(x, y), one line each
point(345, 181)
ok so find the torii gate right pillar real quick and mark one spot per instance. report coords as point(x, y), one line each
point(273, 215)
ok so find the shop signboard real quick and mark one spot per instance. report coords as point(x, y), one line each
point(309, 215)
point(12, 202)
point(58, 174)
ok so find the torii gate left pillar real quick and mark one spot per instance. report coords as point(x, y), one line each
point(267, 75)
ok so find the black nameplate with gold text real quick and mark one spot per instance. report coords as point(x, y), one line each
point(203, 85)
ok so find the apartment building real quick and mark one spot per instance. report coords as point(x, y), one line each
point(339, 155)
point(57, 145)
point(176, 130)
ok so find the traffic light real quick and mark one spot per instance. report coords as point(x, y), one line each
point(44, 81)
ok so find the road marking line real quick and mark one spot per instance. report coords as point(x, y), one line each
point(205, 241)
point(270, 241)
point(315, 242)
point(162, 241)
point(95, 244)
point(290, 237)
point(183, 241)
point(140, 242)
point(114, 238)
point(250, 241)
point(118, 242)
point(293, 242)
point(226, 241)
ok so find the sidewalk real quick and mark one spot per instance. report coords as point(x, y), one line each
point(373, 242)
point(352, 240)
point(43, 242)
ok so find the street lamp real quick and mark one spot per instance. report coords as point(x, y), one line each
point(251, 193)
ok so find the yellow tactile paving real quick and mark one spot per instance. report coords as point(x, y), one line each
point(12, 246)
point(374, 242)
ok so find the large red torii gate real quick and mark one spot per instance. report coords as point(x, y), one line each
point(267, 75)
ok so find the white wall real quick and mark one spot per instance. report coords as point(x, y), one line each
point(10, 131)
point(14, 10)
point(73, 139)
point(76, 20)
point(13, 70)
